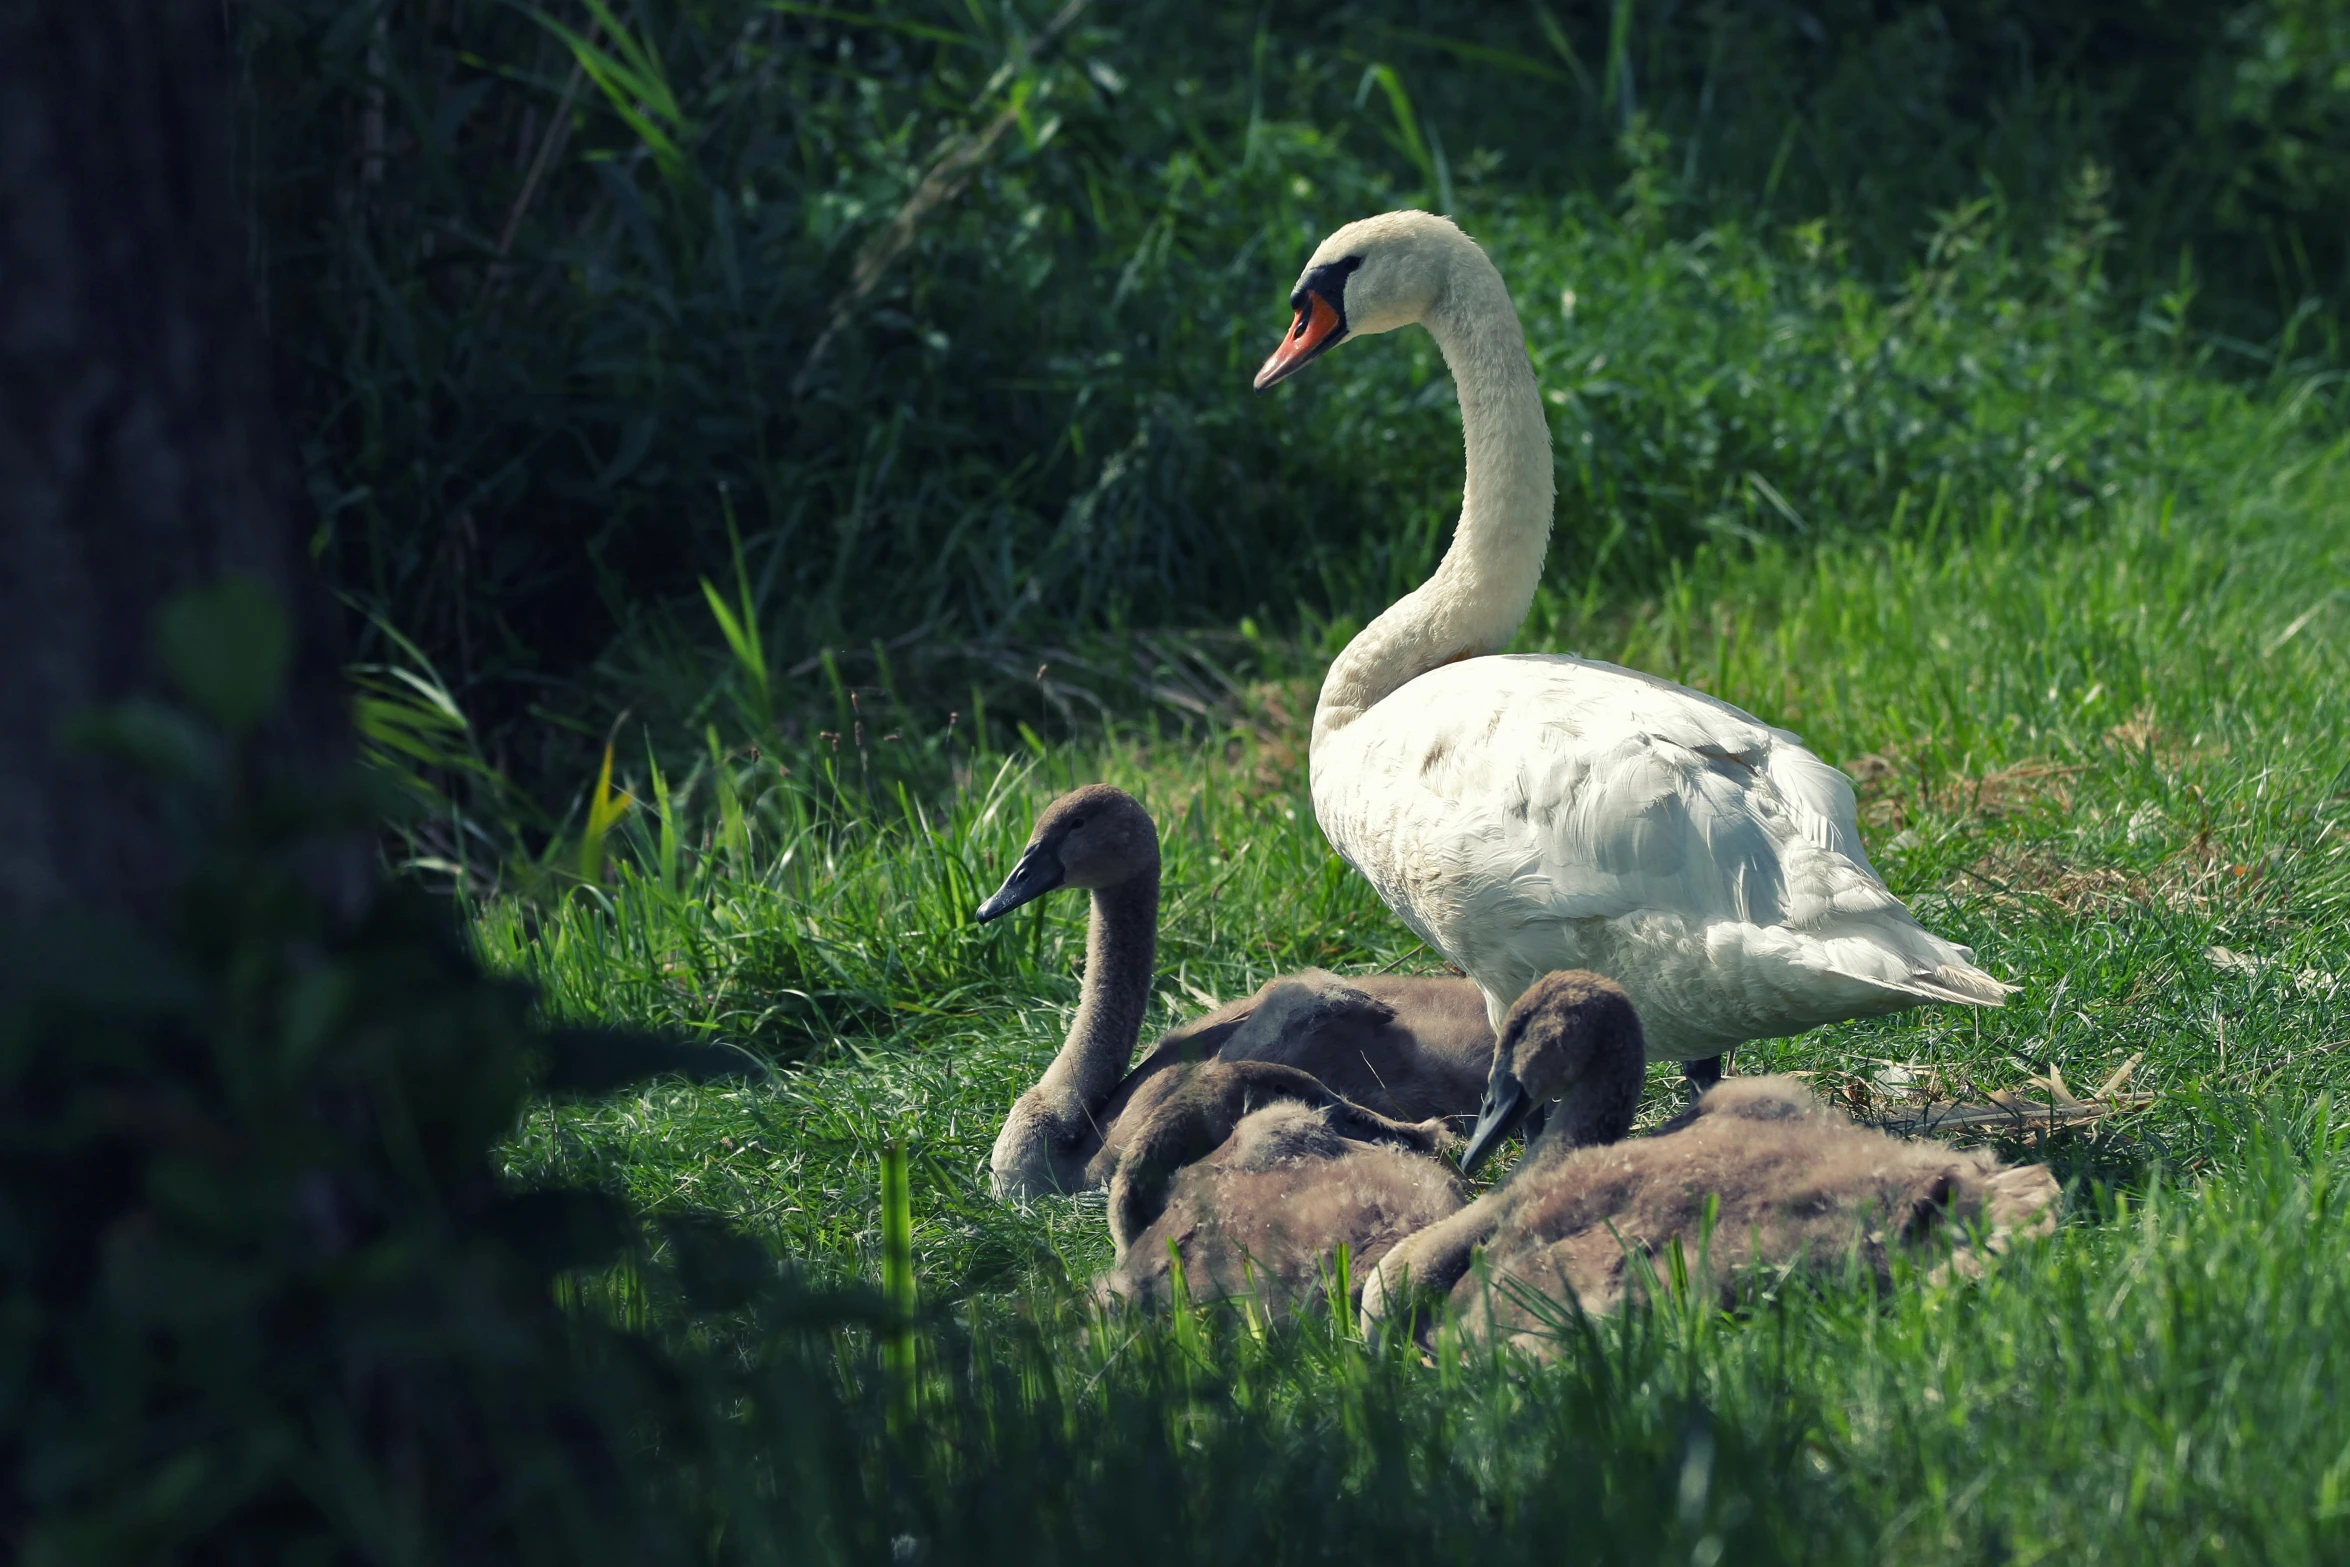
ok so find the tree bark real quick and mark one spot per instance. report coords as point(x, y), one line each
point(141, 450)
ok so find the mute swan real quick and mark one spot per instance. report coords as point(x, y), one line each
point(1407, 1046)
point(1255, 1174)
point(1756, 1174)
point(1538, 812)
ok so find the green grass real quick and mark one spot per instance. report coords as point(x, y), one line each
point(2095, 747)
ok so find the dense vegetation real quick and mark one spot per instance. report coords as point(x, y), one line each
point(554, 284)
point(1958, 385)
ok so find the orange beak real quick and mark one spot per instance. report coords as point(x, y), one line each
point(1318, 325)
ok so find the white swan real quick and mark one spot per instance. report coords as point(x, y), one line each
point(1539, 812)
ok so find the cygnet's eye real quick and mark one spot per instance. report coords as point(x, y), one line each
point(1076, 822)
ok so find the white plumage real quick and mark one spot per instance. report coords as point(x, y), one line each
point(1530, 813)
point(1525, 814)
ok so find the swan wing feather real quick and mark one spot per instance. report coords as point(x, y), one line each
point(1528, 811)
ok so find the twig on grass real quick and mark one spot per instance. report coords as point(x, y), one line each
point(558, 131)
point(2013, 1112)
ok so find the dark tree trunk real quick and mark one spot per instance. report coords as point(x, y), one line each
point(141, 451)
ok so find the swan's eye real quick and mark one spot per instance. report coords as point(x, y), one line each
point(1076, 822)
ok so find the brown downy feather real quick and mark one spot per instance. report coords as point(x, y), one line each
point(1757, 1177)
point(1791, 1185)
point(1409, 1046)
point(1429, 1062)
point(1255, 1175)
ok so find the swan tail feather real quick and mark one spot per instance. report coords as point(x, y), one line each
point(1956, 983)
point(1885, 963)
point(1966, 985)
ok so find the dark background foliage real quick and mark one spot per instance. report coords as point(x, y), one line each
point(551, 322)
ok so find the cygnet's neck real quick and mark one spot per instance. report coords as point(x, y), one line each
point(1121, 946)
point(1479, 593)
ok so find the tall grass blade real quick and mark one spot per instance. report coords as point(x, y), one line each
point(897, 1278)
point(1405, 135)
point(632, 82)
point(606, 806)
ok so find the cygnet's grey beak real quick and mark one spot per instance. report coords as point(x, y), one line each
point(1507, 1105)
point(1038, 873)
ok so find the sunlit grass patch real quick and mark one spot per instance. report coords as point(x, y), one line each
point(2109, 757)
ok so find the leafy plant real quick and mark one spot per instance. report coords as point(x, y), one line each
point(268, 1295)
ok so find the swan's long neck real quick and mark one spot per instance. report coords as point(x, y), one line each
point(1481, 590)
point(1121, 945)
